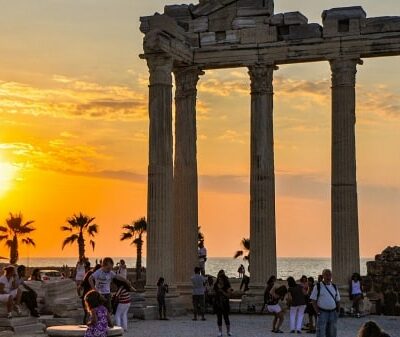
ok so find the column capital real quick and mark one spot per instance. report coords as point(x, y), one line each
point(160, 69)
point(344, 71)
point(261, 76)
point(186, 81)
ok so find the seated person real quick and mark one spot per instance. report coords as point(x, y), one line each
point(29, 296)
point(9, 292)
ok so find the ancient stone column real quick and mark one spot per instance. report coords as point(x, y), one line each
point(262, 177)
point(160, 240)
point(344, 216)
point(185, 175)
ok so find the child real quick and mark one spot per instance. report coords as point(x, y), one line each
point(123, 301)
point(101, 280)
point(100, 319)
point(162, 290)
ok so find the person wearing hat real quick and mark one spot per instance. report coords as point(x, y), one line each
point(9, 292)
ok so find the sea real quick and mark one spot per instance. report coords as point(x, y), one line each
point(295, 267)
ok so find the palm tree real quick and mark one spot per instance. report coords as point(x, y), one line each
point(245, 252)
point(135, 232)
point(80, 226)
point(16, 232)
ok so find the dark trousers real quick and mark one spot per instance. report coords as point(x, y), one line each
point(225, 315)
point(198, 305)
point(30, 300)
point(162, 308)
point(107, 302)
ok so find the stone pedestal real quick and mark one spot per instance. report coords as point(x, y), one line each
point(262, 177)
point(344, 216)
point(185, 176)
point(160, 234)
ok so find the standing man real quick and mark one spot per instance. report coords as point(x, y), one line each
point(325, 299)
point(202, 251)
point(199, 290)
point(101, 280)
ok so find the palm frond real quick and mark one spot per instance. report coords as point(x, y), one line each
point(3, 229)
point(29, 242)
point(126, 236)
point(246, 244)
point(3, 237)
point(70, 240)
point(93, 229)
point(9, 243)
point(130, 228)
point(93, 244)
point(66, 228)
point(238, 254)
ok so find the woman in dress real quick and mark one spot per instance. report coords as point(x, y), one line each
point(100, 319)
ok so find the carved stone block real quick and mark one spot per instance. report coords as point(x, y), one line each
point(294, 18)
point(380, 25)
point(258, 35)
point(207, 39)
point(222, 20)
point(312, 30)
point(275, 20)
point(199, 25)
point(243, 22)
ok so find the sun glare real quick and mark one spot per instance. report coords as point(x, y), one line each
point(7, 176)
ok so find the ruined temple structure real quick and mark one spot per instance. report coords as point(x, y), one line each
point(187, 40)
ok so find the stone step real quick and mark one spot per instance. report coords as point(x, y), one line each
point(7, 333)
point(55, 321)
point(17, 321)
point(31, 329)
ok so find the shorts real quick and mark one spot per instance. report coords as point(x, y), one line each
point(275, 308)
point(4, 297)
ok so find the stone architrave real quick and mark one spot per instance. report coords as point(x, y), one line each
point(262, 177)
point(185, 174)
point(344, 216)
point(160, 248)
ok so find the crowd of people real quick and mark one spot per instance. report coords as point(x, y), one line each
point(106, 298)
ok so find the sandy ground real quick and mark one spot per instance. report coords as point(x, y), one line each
point(248, 326)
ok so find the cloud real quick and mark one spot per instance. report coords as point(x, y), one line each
point(55, 155)
point(374, 101)
point(234, 137)
point(74, 98)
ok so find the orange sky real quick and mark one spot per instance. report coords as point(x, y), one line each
point(73, 111)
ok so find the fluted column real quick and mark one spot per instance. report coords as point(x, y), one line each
point(160, 240)
point(262, 177)
point(344, 216)
point(185, 174)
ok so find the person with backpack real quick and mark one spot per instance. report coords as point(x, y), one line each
point(326, 302)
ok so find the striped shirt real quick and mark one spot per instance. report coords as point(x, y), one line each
point(124, 296)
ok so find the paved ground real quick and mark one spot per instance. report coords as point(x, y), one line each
point(245, 325)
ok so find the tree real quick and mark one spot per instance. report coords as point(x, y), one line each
point(245, 252)
point(135, 232)
point(80, 226)
point(16, 232)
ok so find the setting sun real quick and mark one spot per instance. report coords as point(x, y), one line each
point(7, 176)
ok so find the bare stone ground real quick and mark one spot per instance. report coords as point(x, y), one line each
point(246, 325)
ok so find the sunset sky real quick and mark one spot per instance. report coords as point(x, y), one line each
point(74, 127)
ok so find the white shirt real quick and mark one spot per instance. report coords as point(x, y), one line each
point(356, 288)
point(325, 301)
point(8, 284)
point(103, 281)
point(123, 272)
point(202, 252)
